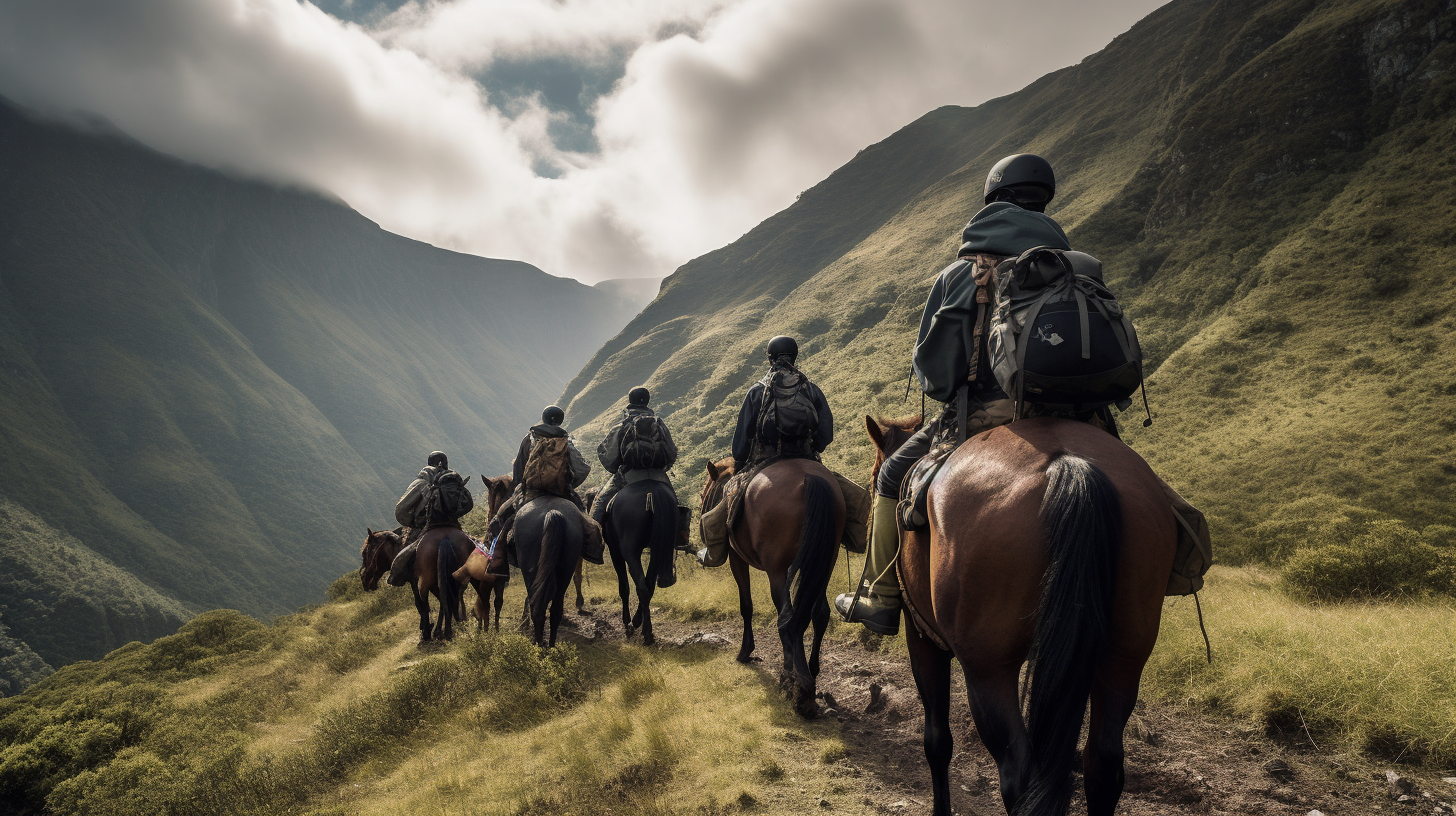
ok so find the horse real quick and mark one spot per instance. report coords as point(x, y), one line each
point(1050, 542)
point(792, 520)
point(433, 568)
point(549, 540)
point(643, 516)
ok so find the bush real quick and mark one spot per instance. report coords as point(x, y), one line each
point(1387, 561)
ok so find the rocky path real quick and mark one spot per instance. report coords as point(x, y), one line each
point(1179, 761)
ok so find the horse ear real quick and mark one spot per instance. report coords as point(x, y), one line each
point(371, 531)
point(877, 434)
point(712, 472)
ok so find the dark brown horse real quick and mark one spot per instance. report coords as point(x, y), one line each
point(499, 490)
point(790, 527)
point(1050, 542)
point(642, 518)
point(433, 566)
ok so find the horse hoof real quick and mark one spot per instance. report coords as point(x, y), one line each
point(648, 640)
point(745, 657)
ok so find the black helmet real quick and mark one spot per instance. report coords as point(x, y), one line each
point(437, 459)
point(639, 396)
point(553, 415)
point(1025, 180)
point(783, 345)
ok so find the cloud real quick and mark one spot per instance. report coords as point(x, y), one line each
point(707, 115)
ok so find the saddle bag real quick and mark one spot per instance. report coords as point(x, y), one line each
point(1058, 337)
point(912, 512)
point(548, 467)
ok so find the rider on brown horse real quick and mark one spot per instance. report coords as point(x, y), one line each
point(1017, 192)
point(638, 448)
point(412, 511)
point(784, 416)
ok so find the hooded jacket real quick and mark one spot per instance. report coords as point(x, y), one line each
point(409, 511)
point(579, 467)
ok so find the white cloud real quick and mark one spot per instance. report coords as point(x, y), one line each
point(708, 132)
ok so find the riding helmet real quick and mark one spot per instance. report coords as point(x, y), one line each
point(1024, 179)
point(553, 415)
point(639, 396)
point(783, 346)
point(437, 459)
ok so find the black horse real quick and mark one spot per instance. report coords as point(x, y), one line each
point(549, 539)
point(643, 516)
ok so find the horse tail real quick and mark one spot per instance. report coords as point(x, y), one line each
point(808, 576)
point(452, 596)
point(1082, 517)
point(553, 541)
point(663, 524)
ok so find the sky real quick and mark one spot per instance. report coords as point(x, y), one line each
point(595, 139)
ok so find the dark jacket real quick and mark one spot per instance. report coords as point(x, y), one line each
point(609, 453)
point(743, 436)
point(1000, 229)
point(579, 466)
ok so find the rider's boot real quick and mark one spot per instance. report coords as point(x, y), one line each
point(878, 604)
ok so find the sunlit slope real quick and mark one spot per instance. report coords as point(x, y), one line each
point(214, 384)
point(1270, 186)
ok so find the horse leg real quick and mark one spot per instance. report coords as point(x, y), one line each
point(821, 623)
point(745, 603)
point(580, 599)
point(624, 590)
point(499, 588)
point(422, 605)
point(779, 591)
point(644, 591)
point(930, 665)
point(1114, 693)
point(996, 710)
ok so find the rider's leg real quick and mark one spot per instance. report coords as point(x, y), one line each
point(877, 604)
point(403, 563)
point(856, 513)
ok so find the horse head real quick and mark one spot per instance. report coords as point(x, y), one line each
point(712, 493)
point(889, 434)
point(375, 556)
point(497, 490)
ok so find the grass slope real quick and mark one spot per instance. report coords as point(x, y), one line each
point(1269, 185)
point(215, 384)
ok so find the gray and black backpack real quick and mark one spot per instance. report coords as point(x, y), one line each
point(645, 445)
point(789, 403)
point(1057, 337)
point(447, 498)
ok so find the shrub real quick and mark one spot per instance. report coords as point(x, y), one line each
point(1387, 560)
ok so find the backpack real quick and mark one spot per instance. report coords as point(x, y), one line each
point(548, 467)
point(447, 498)
point(644, 444)
point(1058, 337)
point(787, 398)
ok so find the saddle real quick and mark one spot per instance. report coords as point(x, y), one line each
point(738, 485)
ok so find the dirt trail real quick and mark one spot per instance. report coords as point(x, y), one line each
point(1179, 761)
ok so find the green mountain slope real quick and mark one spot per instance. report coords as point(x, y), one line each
point(213, 384)
point(1269, 185)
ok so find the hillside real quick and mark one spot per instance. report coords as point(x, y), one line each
point(1270, 186)
point(213, 385)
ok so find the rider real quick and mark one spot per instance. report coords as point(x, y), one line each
point(548, 428)
point(630, 460)
point(410, 511)
point(759, 439)
point(1017, 192)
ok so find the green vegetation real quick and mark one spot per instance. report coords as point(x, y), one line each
point(213, 385)
point(230, 716)
point(1375, 678)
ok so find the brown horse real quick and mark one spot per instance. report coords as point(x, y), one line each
point(790, 527)
point(433, 566)
point(1051, 542)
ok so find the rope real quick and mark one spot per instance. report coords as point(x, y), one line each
point(1208, 649)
